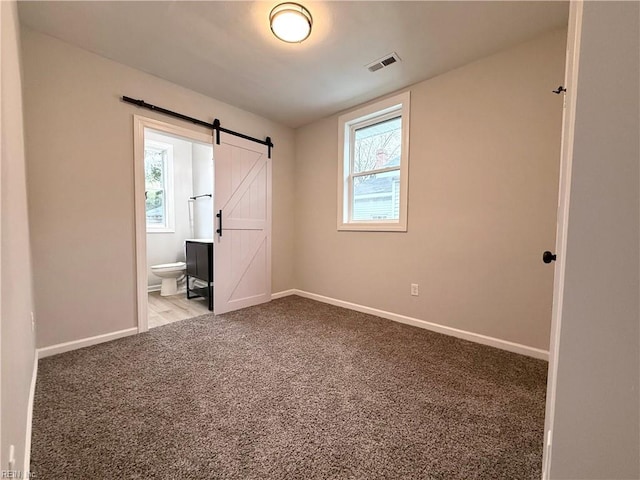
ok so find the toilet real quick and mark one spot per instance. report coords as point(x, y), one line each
point(170, 273)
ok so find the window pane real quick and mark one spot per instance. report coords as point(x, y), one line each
point(376, 197)
point(154, 179)
point(153, 169)
point(155, 207)
point(377, 146)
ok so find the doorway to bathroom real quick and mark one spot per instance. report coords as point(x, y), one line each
point(178, 178)
point(238, 257)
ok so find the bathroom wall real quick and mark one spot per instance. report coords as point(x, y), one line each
point(168, 247)
point(203, 219)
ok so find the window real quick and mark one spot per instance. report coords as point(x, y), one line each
point(158, 186)
point(374, 161)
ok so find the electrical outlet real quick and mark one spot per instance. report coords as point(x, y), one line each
point(414, 289)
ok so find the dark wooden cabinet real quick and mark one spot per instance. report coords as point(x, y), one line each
point(200, 266)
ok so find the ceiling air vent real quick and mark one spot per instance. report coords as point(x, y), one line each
point(383, 62)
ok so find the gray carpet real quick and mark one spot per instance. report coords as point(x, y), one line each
point(290, 389)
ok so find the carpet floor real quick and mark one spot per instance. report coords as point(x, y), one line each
point(290, 389)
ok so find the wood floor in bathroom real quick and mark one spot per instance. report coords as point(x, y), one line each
point(165, 310)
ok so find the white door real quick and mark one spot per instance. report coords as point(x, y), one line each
point(242, 203)
point(568, 123)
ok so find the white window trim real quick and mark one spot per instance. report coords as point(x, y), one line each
point(169, 226)
point(398, 103)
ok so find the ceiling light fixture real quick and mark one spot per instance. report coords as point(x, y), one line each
point(290, 22)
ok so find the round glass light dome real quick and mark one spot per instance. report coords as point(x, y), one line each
point(290, 22)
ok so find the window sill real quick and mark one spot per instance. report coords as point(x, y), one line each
point(371, 227)
point(162, 230)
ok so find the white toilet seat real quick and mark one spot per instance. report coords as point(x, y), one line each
point(169, 267)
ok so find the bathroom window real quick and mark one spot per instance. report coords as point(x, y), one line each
point(158, 191)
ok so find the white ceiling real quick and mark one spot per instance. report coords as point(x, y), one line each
point(226, 50)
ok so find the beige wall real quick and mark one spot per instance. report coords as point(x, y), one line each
point(596, 431)
point(484, 158)
point(17, 338)
point(80, 164)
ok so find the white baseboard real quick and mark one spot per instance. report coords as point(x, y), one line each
point(32, 393)
point(284, 293)
point(454, 332)
point(84, 342)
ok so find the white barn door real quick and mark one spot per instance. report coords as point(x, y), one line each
point(242, 202)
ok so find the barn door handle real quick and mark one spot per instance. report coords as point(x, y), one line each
point(219, 215)
point(548, 257)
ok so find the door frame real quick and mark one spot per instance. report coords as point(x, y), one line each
point(139, 124)
point(574, 33)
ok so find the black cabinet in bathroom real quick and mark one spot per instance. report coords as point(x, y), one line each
point(199, 255)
